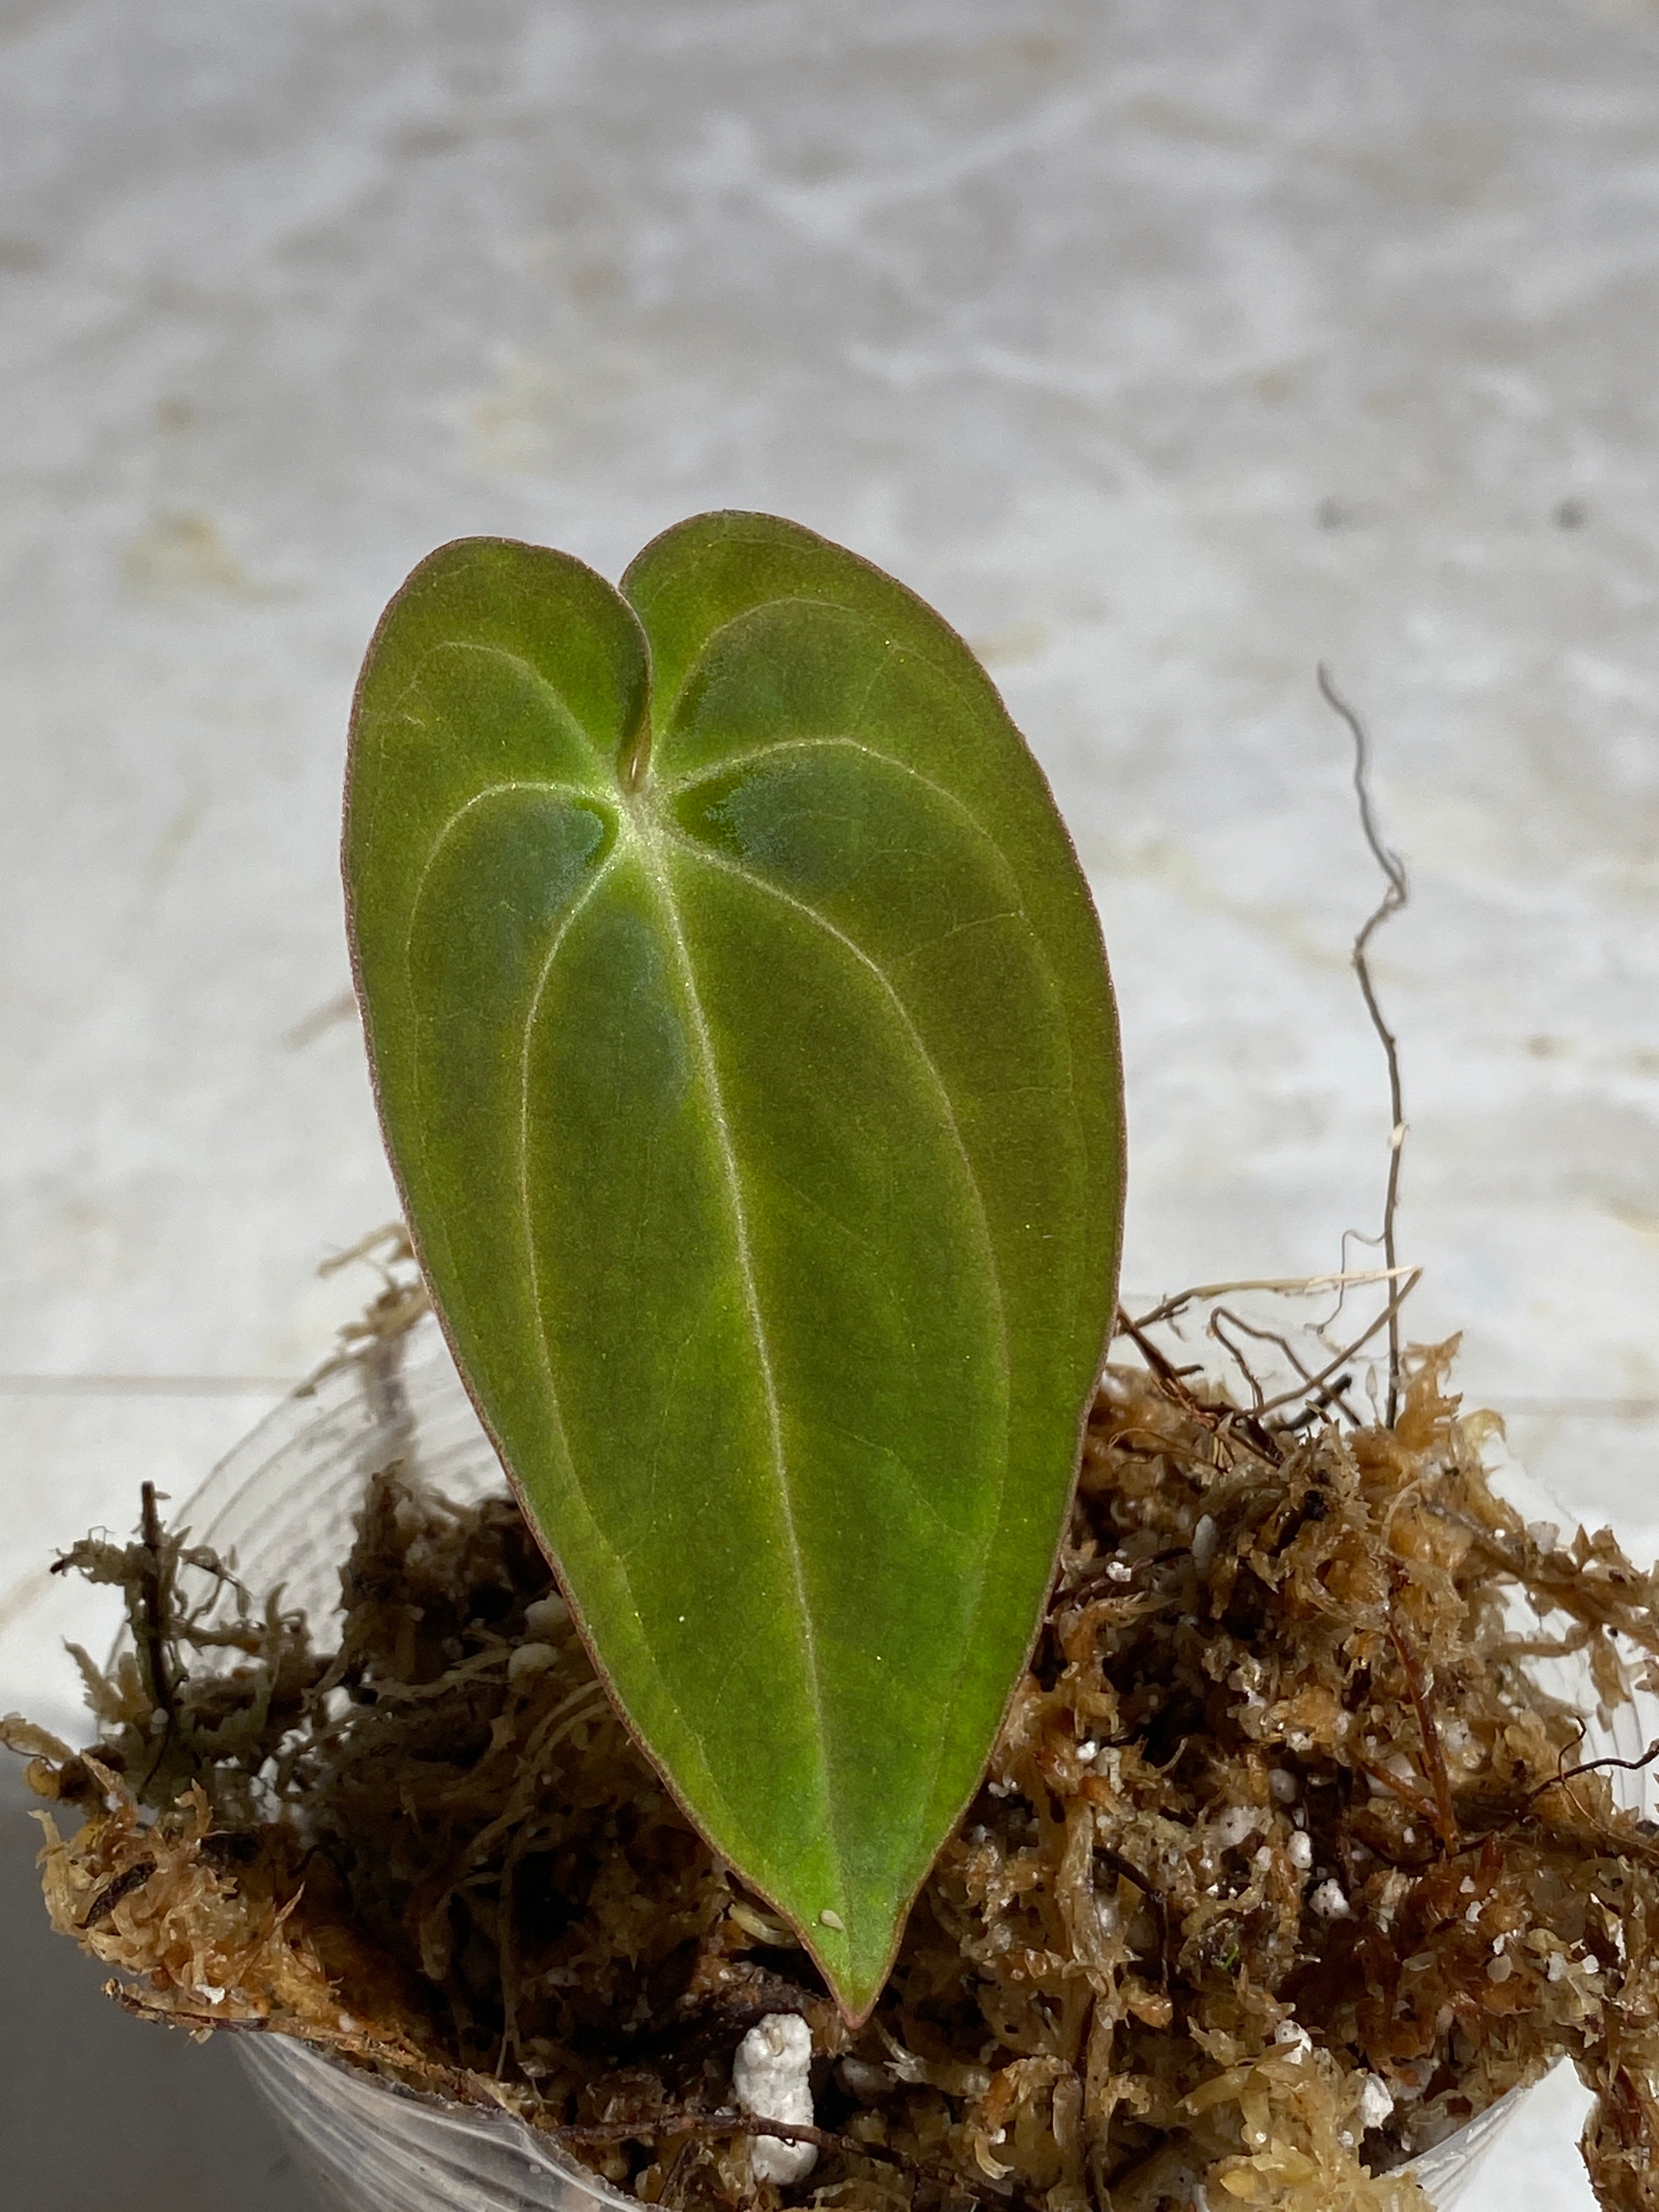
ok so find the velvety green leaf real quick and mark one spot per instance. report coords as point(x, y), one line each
point(746, 1057)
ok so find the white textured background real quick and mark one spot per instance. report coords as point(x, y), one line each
point(1167, 346)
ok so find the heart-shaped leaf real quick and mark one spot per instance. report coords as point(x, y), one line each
point(746, 1057)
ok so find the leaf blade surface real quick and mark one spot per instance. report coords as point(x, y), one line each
point(760, 1129)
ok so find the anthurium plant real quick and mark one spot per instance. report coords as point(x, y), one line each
point(747, 1060)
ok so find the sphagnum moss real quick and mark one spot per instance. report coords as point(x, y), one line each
point(1283, 1866)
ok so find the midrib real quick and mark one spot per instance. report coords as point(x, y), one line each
point(656, 868)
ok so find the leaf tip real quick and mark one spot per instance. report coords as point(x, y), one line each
point(855, 1960)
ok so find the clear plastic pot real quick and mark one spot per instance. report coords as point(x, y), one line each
point(283, 1503)
point(380, 2149)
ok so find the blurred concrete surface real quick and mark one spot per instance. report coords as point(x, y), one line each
point(1168, 348)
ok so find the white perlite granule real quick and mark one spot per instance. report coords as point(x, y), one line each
point(1238, 1823)
point(1376, 2102)
point(545, 1616)
point(771, 2075)
point(1205, 1537)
